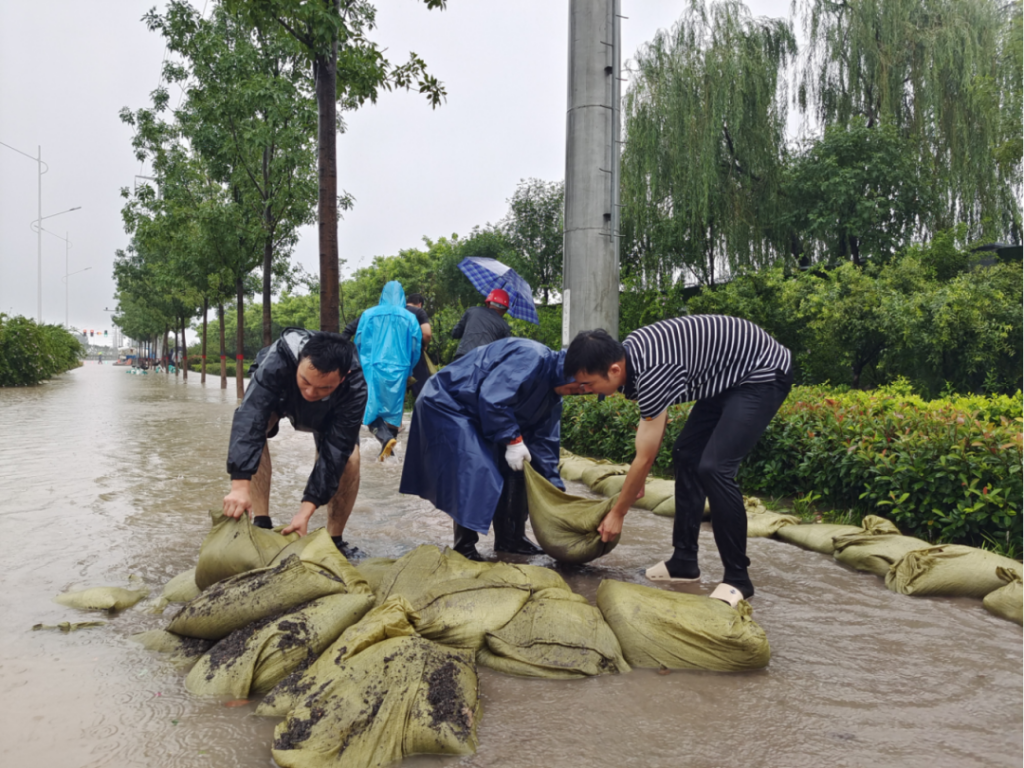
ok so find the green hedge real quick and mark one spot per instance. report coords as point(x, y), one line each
point(31, 353)
point(213, 366)
point(946, 470)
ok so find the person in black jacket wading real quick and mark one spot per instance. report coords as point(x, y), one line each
point(482, 325)
point(313, 379)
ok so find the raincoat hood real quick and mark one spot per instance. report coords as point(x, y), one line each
point(393, 294)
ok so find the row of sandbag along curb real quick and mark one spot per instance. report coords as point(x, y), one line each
point(909, 565)
point(371, 662)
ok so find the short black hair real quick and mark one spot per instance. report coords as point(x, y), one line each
point(593, 352)
point(415, 298)
point(328, 352)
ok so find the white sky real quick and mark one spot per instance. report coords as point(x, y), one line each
point(66, 69)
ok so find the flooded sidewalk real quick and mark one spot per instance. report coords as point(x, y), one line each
point(108, 479)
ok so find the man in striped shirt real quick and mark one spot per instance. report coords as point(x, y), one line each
point(739, 376)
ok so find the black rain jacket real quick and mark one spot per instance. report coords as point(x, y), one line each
point(273, 389)
point(479, 326)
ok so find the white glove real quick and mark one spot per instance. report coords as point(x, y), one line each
point(516, 454)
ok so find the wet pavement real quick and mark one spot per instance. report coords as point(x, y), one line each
point(107, 480)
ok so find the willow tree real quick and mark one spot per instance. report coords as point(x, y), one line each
point(704, 124)
point(946, 74)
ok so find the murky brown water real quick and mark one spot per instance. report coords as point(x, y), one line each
point(105, 475)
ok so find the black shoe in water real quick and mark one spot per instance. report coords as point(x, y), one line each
point(350, 551)
point(521, 547)
point(263, 521)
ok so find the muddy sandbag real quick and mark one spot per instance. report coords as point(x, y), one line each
point(240, 600)
point(392, 618)
point(1007, 602)
point(318, 550)
point(761, 523)
point(102, 598)
point(877, 548)
point(373, 570)
point(400, 697)
point(948, 570)
point(184, 651)
point(817, 537)
point(254, 659)
point(565, 525)
point(426, 566)
point(234, 545)
point(658, 628)
point(555, 636)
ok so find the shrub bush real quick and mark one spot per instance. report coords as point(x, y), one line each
point(213, 366)
point(31, 353)
point(946, 470)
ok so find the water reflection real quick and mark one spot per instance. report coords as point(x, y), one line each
point(106, 475)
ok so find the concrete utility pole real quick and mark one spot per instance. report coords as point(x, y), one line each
point(590, 275)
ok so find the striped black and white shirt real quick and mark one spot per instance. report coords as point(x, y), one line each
point(697, 357)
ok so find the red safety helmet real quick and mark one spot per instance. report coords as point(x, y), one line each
point(498, 296)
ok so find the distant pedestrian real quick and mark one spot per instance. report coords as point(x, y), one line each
point(482, 325)
point(414, 303)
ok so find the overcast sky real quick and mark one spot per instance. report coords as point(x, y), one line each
point(67, 68)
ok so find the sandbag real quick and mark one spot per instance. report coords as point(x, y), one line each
point(240, 600)
point(571, 467)
point(392, 618)
point(609, 486)
point(400, 697)
point(817, 537)
point(254, 659)
point(658, 628)
point(373, 570)
point(184, 651)
point(566, 526)
point(667, 508)
point(875, 553)
point(1007, 602)
point(761, 523)
point(235, 546)
point(181, 588)
point(595, 474)
point(424, 567)
point(656, 493)
point(102, 598)
point(554, 636)
point(318, 550)
point(69, 626)
point(948, 570)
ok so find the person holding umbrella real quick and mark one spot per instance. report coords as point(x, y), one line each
point(482, 325)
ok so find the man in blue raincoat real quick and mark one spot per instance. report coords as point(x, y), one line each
point(388, 340)
point(475, 423)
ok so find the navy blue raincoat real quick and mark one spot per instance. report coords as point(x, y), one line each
point(466, 415)
point(388, 339)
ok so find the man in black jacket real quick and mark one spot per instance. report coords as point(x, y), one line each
point(482, 325)
point(313, 379)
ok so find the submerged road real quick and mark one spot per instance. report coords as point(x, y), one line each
point(106, 479)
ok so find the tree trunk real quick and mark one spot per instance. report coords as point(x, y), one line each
point(325, 71)
point(202, 367)
point(268, 250)
point(184, 351)
point(223, 355)
point(239, 338)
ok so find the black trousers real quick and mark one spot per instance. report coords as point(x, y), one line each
point(718, 434)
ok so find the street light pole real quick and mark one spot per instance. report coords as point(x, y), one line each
point(38, 226)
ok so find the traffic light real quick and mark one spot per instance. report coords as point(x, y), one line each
point(104, 333)
point(92, 333)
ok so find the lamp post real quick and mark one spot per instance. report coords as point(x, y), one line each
point(65, 281)
point(37, 226)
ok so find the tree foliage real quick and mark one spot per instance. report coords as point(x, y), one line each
point(946, 75)
point(704, 129)
point(534, 230)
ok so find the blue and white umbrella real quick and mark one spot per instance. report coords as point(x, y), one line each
point(487, 274)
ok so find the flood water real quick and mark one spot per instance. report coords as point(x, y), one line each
point(106, 479)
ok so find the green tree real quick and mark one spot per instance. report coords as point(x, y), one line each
point(704, 126)
point(854, 194)
point(347, 68)
point(249, 112)
point(946, 75)
point(534, 229)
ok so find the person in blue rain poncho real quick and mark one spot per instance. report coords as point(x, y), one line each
point(388, 340)
point(475, 423)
